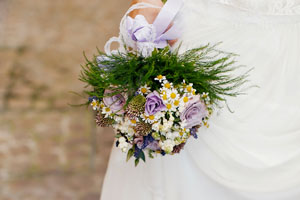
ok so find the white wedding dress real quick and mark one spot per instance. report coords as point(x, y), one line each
point(253, 153)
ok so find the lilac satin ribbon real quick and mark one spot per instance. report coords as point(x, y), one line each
point(166, 15)
point(149, 36)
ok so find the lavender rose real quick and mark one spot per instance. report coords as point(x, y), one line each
point(154, 104)
point(115, 103)
point(194, 112)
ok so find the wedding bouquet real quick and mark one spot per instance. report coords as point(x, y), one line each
point(154, 97)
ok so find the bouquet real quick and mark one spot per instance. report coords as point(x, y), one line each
point(154, 97)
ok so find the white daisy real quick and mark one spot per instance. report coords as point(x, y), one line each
point(182, 86)
point(194, 91)
point(166, 84)
point(176, 103)
point(160, 78)
point(171, 107)
point(164, 94)
point(151, 119)
point(143, 116)
point(204, 95)
point(206, 98)
point(183, 101)
point(106, 111)
point(95, 104)
point(189, 88)
point(133, 122)
point(173, 95)
point(144, 90)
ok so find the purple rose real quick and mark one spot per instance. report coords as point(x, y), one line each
point(154, 104)
point(115, 103)
point(194, 112)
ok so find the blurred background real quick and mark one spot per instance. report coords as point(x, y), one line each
point(48, 149)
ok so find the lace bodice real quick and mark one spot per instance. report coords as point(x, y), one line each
point(273, 7)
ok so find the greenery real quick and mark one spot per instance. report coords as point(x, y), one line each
point(209, 70)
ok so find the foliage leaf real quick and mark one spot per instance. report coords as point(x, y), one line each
point(210, 70)
point(129, 154)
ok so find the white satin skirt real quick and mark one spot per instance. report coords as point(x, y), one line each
point(250, 154)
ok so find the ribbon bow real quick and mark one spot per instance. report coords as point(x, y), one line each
point(149, 36)
point(138, 34)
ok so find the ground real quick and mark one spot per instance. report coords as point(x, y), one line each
point(48, 149)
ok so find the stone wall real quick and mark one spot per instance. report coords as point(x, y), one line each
point(48, 149)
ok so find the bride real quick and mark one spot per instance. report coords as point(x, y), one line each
point(252, 153)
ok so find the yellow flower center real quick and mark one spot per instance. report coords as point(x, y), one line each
point(144, 90)
point(185, 99)
point(133, 121)
point(194, 92)
point(189, 88)
point(159, 77)
point(204, 96)
point(168, 85)
point(169, 106)
point(151, 117)
point(181, 133)
point(95, 103)
point(107, 109)
point(173, 95)
point(176, 103)
point(101, 105)
point(165, 97)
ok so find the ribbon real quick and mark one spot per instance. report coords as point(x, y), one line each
point(166, 15)
point(144, 37)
